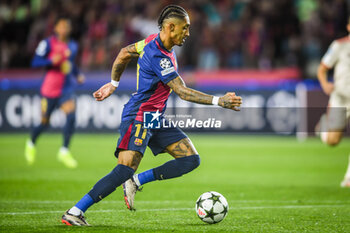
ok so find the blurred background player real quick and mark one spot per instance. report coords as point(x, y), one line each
point(57, 54)
point(333, 123)
point(157, 76)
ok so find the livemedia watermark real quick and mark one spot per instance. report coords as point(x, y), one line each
point(155, 120)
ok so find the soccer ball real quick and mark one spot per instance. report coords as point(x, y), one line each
point(211, 207)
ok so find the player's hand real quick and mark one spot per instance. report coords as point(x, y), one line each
point(81, 79)
point(231, 101)
point(56, 59)
point(104, 92)
point(327, 87)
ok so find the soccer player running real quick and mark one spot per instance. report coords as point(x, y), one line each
point(157, 76)
point(332, 124)
point(57, 54)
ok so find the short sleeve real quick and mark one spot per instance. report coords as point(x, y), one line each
point(42, 49)
point(164, 68)
point(331, 56)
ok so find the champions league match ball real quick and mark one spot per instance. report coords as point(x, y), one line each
point(211, 207)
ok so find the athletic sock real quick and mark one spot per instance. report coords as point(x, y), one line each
point(82, 205)
point(103, 188)
point(171, 169)
point(30, 143)
point(64, 149)
point(324, 137)
point(110, 182)
point(37, 131)
point(68, 129)
point(144, 177)
point(75, 211)
point(323, 128)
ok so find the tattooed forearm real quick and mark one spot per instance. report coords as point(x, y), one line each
point(229, 100)
point(185, 93)
point(117, 71)
point(196, 96)
point(124, 57)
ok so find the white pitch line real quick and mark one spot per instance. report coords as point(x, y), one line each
point(181, 209)
point(176, 201)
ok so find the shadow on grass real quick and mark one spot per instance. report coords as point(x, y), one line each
point(194, 224)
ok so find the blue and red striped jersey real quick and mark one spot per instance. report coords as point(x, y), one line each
point(156, 67)
point(58, 78)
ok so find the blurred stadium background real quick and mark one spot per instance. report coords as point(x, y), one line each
point(263, 50)
point(267, 51)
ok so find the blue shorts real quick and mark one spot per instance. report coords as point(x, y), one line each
point(133, 136)
point(50, 104)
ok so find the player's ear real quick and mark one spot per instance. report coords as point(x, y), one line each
point(172, 27)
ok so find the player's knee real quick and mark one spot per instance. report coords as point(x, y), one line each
point(127, 163)
point(128, 159)
point(196, 161)
point(68, 107)
point(333, 141)
point(190, 162)
point(44, 120)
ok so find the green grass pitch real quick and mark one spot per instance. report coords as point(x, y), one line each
point(272, 184)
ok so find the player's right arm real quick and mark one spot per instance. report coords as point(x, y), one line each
point(122, 60)
point(229, 100)
point(165, 68)
point(328, 61)
point(41, 56)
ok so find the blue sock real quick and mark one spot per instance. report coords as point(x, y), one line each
point(170, 169)
point(68, 129)
point(110, 182)
point(37, 131)
point(146, 176)
point(85, 203)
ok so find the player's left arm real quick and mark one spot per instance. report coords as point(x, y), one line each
point(229, 100)
point(120, 63)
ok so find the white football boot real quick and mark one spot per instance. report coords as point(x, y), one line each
point(130, 189)
point(345, 183)
point(73, 220)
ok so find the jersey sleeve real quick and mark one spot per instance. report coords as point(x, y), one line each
point(140, 45)
point(331, 56)
point(164, 68)
point(40, 58)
